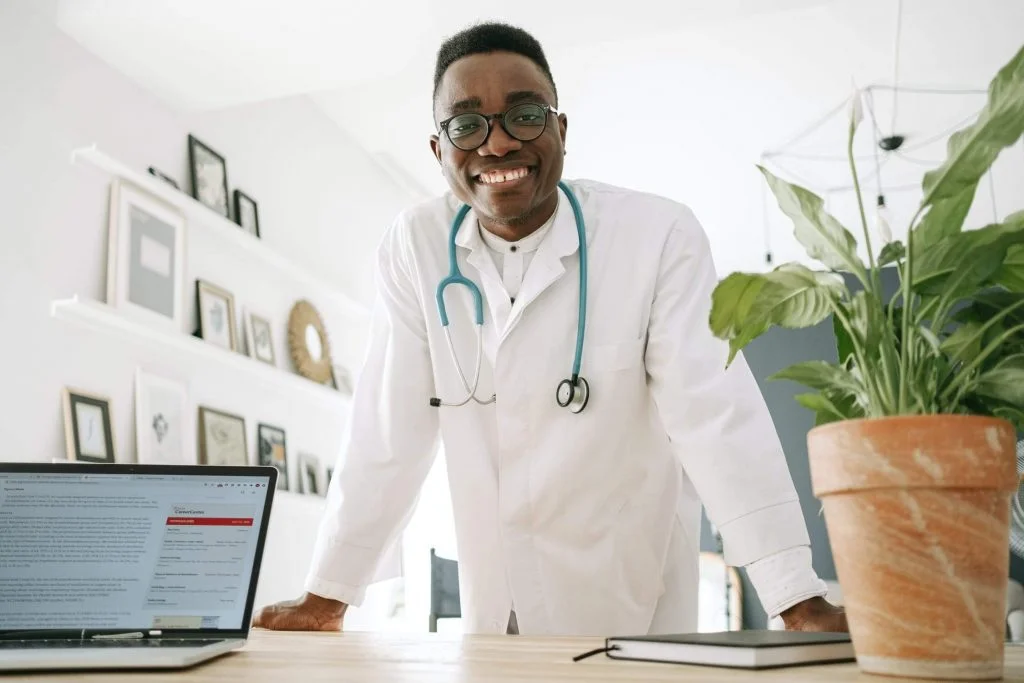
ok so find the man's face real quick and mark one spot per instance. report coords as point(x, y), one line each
point(489, 84)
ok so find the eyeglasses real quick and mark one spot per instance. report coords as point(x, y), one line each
point(524, 122)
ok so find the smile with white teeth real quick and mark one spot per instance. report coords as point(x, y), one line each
point(504, 175)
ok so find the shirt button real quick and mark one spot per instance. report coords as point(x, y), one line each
point(514, 247)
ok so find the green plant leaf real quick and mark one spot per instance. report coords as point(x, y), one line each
point(964, 344)
point(971, 151)
point(817, 374)
point(958, 265)
point(845, 348)
point(824, 238)
point(745, 305)
point(944, 218)
point(891, 252)
point(827, 409)
point(1011, 272)
point(1004, 382)
point(929, 336)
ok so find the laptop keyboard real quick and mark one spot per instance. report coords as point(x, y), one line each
point(91, 644)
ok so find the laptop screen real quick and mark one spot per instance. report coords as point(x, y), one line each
point(128, 550)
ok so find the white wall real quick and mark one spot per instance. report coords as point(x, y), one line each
point(323, 203)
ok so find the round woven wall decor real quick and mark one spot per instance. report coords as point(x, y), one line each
point(307, 342)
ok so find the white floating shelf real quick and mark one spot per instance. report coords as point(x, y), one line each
point(102, 317)
point(200, 216)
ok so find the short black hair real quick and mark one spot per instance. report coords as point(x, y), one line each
point(490, 37)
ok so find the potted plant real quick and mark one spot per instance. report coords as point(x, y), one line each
point(913, 450)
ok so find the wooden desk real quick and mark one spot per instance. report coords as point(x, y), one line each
point(432, 658)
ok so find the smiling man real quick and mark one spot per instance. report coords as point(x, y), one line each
point(554, 334)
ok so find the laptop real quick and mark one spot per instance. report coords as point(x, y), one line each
point(128, 566)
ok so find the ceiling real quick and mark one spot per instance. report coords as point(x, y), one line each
point(710, 85)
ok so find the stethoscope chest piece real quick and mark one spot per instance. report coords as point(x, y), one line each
point(573, 396)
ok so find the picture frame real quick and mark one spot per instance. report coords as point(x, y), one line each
point(215, 314)
point(222, 438)
point(145, 257)
point(88, 427)
point(209, 174)
point(247, 213)
point(259, 338)
point(163, 429)
point(310, 475)
point(272, 450)
point(153, 171)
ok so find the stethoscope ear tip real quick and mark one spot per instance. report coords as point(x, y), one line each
point(435, 402)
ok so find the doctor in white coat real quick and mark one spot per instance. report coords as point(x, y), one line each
point(577, 462)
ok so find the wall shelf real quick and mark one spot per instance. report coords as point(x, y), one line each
point(102, 317)
point(201, 217)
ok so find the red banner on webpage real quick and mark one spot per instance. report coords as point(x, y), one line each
point(209, 521)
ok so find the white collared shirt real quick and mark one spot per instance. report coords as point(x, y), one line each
point(512, 259)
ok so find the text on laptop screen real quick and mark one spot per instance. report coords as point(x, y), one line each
point(127, 551)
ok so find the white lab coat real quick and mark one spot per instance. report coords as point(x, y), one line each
point(587, 524)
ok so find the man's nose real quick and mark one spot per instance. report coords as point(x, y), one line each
point(498, 142)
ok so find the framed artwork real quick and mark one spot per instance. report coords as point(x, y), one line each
point(247, 213)
point(161, 421)
point(209, 176)
point(145, 257)
point(258, 338)
point(309, 466)
point(164, 177)
point(272, 451)
point(88, 430)
point(215, 308)
point(308, 344)
point(221, 438)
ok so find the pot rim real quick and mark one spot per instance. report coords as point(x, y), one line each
point(929, 417)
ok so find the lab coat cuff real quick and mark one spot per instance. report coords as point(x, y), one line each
point(785, 579)
point(350, 595)
point(764, 532)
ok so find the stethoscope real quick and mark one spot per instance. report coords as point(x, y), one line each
point(572, 393)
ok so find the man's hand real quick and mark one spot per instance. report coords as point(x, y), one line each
point(308, 613)
point(815, 614)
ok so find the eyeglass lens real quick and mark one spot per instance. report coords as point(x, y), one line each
point(524, 122)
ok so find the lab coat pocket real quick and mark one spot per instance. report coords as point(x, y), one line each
point(612, 357)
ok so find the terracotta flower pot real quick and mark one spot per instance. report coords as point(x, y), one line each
point(918, 513)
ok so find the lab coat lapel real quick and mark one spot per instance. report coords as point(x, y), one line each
point(494, 293)
point(547, 266)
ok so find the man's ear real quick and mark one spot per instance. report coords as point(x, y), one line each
point(435, 147)
point(563, 125)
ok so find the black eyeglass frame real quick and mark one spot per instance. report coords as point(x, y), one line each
point(490, 118)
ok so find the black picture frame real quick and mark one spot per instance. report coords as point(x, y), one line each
point(72, 398)
point(153, 171)
point(263, 451)
point(203, 289)
point(241, 198)
point(195, 146)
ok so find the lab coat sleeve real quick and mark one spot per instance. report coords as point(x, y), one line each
point(716, 417)
point(392, 441)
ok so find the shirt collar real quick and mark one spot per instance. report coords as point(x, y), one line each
point(526, 245)
point(564, 239)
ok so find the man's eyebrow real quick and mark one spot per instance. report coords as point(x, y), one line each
point(514, 97)
point(517, 96)
point(463, 105)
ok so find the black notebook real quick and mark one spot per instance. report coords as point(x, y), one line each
point(736, 649)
